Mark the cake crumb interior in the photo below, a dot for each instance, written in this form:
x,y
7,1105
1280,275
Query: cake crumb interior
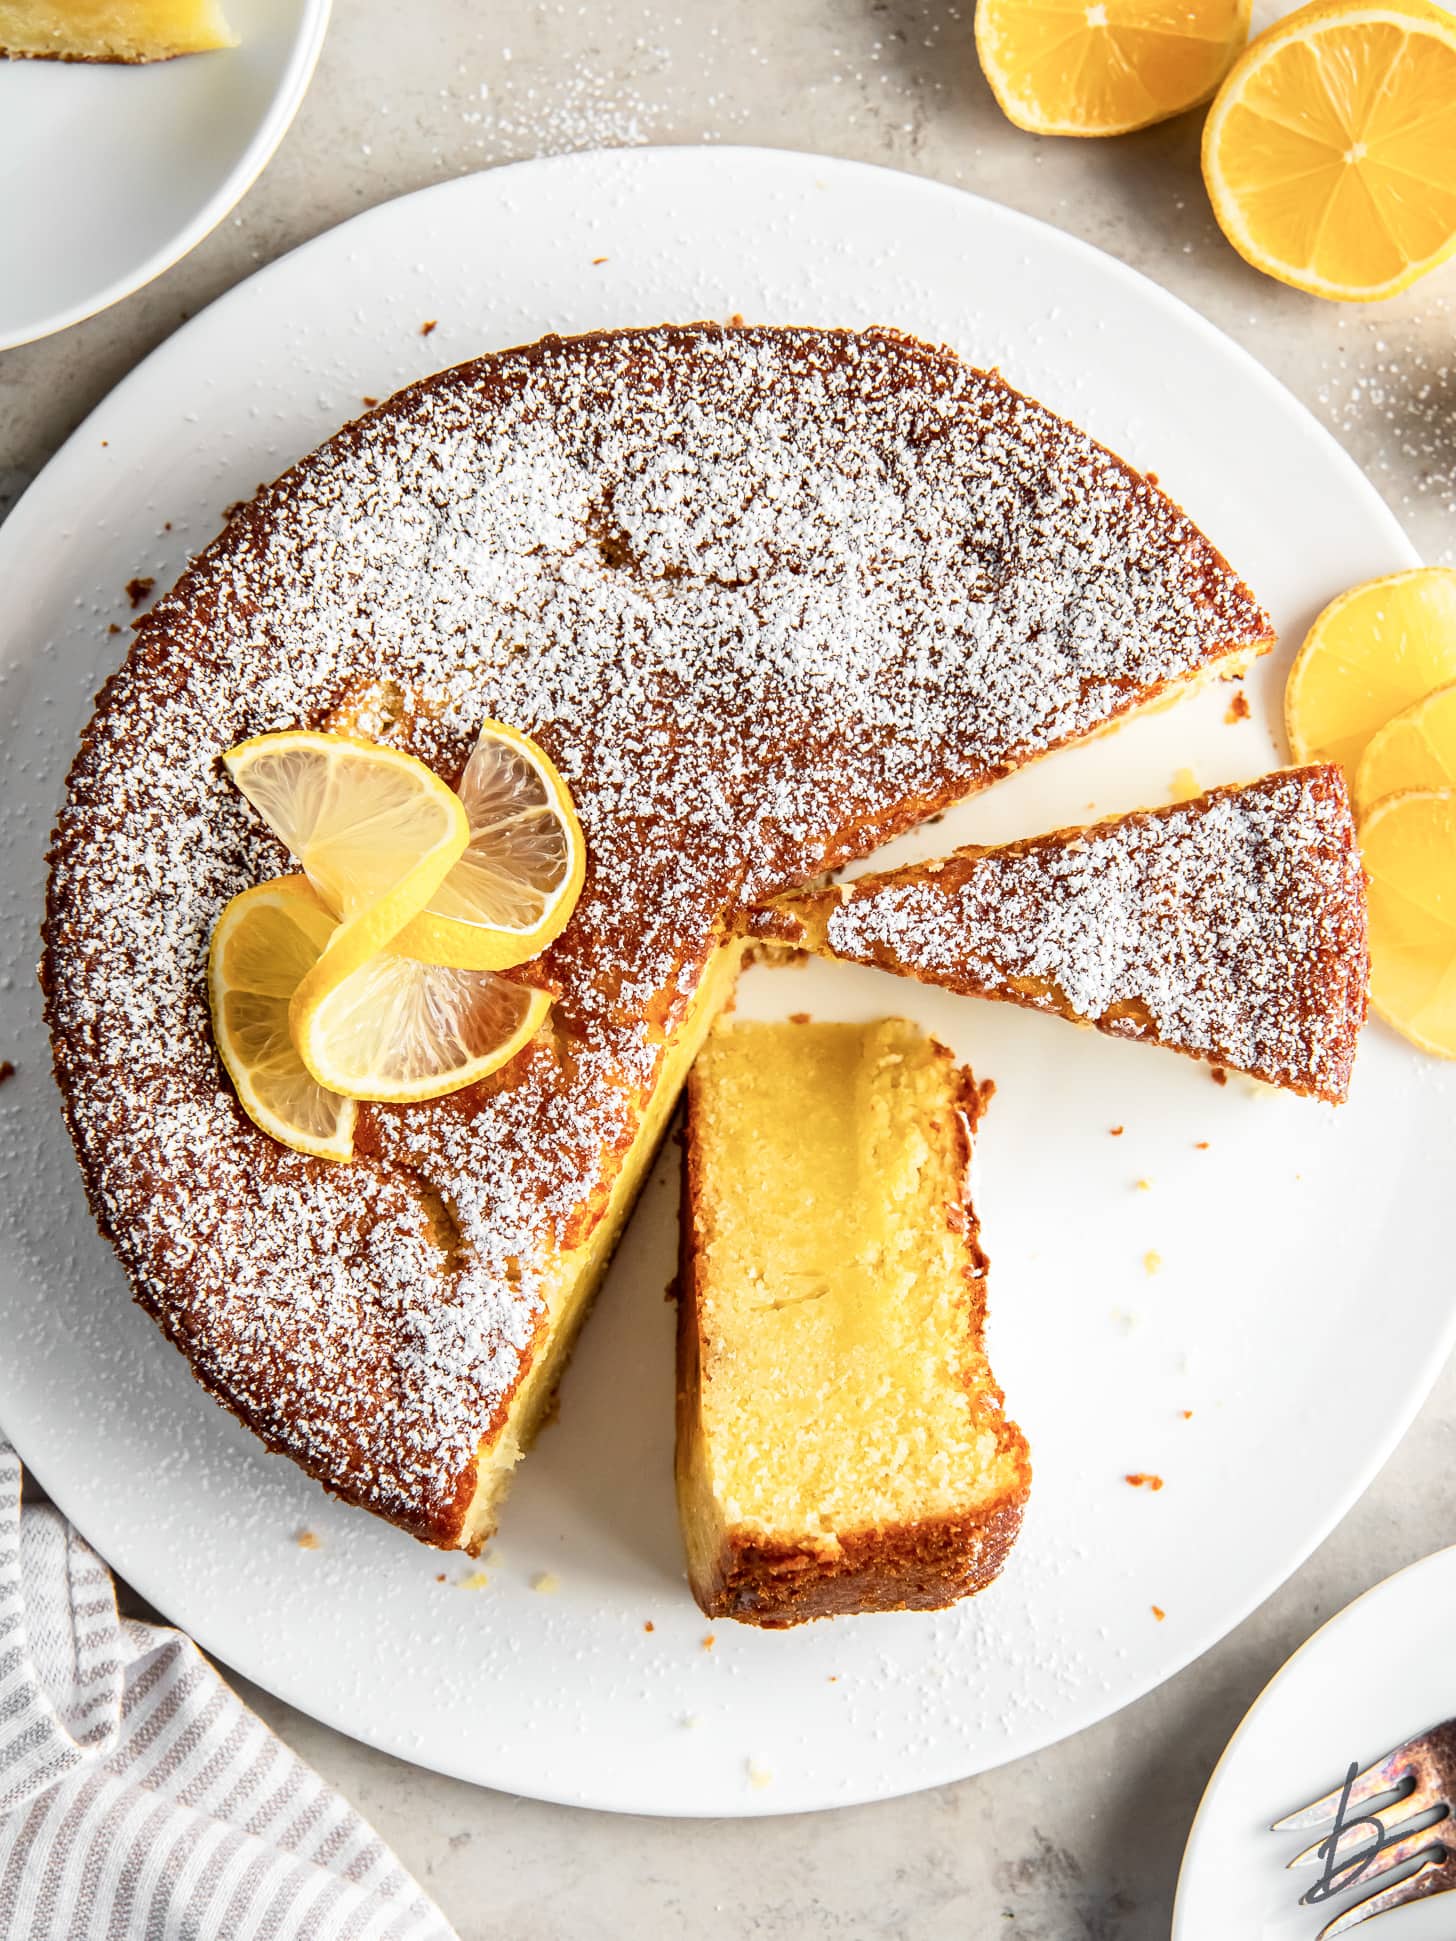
x,y
842,1382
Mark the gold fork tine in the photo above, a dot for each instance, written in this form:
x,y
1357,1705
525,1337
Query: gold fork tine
x,y
1356,1836
1410,1846
1435,1877
1362,1849
1385,1776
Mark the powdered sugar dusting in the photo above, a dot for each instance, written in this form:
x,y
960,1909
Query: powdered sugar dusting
x,y
763,596
1231,927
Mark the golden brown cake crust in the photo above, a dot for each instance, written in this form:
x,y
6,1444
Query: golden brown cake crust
x,y
766,597
921,1566
902,1567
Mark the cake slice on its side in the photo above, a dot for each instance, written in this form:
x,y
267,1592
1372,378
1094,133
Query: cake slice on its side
x,y
111,30
1231,927
841,1445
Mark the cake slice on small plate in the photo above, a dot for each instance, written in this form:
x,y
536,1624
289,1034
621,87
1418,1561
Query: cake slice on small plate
x,y
841,1444
1230,927
111,30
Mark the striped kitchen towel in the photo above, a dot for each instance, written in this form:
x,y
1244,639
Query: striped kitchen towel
x,y
140,1799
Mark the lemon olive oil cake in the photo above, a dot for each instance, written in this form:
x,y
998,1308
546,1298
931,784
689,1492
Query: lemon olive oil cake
x,y
111,30
765,597
1231,927
841,1444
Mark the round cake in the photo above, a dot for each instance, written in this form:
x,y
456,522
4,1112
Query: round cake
x,y
765,597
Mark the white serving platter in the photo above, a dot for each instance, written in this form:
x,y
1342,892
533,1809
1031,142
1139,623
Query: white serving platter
x,y
1302,1254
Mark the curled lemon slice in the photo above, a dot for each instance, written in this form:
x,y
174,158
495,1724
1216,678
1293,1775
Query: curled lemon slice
x,y
1408,843
1330,152
378,834
265,943
375,831
514,889
1417,750
1058,67
398,1031
1371,654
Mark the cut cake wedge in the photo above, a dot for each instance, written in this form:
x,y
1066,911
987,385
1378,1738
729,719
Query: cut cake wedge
x,y
1231,927
841,1445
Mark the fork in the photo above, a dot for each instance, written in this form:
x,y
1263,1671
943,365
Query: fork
x,y
1418,1777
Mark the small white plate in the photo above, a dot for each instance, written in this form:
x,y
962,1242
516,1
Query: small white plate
x,y
116,171
599,1692
1376,1675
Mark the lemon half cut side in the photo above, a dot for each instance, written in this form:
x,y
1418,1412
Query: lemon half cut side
x,y
1330,151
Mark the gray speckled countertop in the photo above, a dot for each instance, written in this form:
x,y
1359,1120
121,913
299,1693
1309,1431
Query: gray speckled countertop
x,y
1080,1843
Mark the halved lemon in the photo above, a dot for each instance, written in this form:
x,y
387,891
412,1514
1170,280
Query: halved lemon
x,y
1408,843
265,943
1330,152
375,830
1417,750
514,889
397,1031
1372,653
1105,68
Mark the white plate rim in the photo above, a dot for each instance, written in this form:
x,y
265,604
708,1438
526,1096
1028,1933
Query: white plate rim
x,y
1074,1719
286,100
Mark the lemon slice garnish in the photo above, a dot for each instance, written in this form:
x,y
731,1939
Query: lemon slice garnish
x,y
1408,843
265,943
1070,69
376,832
514,889
1330,152
1417,750
1371,654
398,1031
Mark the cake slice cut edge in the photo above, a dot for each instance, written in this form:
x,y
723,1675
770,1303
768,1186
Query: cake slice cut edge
x,y
1231,927
842,1445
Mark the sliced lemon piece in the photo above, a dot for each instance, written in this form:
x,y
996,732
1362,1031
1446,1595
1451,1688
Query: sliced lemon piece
x,y
264,944
513,891
1409,847
1371,654
397,1031
1065,69
1417,750
375,830
1330,152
